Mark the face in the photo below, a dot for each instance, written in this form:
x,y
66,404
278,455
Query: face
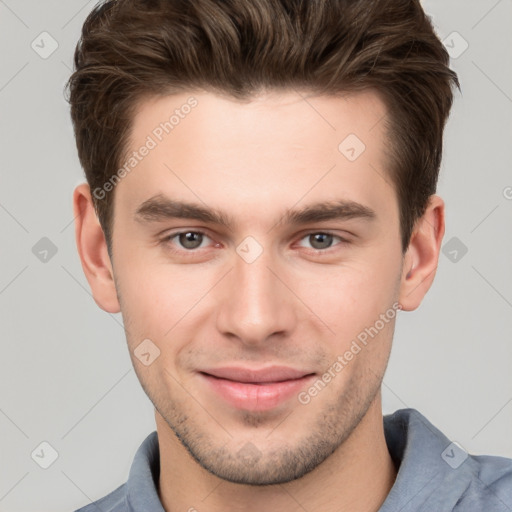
x,y
259,236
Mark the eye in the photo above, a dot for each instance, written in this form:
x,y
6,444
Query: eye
x,y
189,240
320,241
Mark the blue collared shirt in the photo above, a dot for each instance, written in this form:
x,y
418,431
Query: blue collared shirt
x,y
434,474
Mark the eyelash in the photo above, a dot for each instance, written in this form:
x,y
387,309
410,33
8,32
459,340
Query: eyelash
x,y
167,240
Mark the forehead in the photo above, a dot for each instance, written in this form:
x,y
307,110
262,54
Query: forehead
x,y
269,118
282,146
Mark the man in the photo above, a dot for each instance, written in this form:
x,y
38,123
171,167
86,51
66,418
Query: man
x,y
260,205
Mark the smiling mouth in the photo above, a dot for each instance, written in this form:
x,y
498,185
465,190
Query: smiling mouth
x,y
256,390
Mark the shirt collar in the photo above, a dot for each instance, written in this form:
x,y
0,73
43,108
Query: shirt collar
x,y
433,472
142,484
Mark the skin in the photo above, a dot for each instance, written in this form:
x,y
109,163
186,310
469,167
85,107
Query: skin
x,y
294,305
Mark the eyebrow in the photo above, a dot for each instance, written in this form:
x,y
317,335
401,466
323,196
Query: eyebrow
x,y
160,208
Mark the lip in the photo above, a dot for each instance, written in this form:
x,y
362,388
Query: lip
x,y
256,389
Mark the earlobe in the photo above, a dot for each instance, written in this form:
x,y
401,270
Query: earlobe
x,y
422,256
92,249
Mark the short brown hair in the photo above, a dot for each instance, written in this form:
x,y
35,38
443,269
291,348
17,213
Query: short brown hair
x,y
134,49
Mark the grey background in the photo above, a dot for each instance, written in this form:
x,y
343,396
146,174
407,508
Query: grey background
x,y
65,373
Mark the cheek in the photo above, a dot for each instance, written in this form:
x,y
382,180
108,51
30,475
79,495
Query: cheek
x,y
157,297
349,297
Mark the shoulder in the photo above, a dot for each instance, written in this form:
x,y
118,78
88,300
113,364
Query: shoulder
x,y
491,482
435,473
140,490
112,502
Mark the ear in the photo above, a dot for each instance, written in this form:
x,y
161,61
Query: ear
x,y
92,248
422,255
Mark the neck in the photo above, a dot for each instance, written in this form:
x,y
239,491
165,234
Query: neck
x,y
357,477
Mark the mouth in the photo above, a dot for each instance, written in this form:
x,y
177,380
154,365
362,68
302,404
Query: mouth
x,y
256,390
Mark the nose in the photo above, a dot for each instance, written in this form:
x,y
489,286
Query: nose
x,y
255,303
